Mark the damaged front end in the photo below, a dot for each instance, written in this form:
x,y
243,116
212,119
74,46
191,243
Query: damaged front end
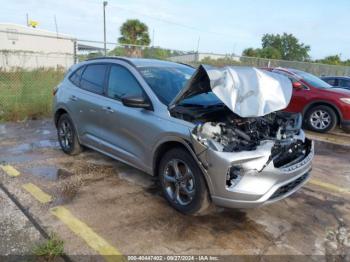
x,y
249,160
253,161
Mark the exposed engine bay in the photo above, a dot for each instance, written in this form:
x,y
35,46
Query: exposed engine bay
x,y
236,134
221,130
248,115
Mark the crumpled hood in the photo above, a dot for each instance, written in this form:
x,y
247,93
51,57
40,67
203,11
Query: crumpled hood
x,y
246,91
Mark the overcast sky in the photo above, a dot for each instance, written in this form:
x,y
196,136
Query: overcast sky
x,y
224,26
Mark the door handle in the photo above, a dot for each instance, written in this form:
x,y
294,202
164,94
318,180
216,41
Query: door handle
x,y
108,109
73,98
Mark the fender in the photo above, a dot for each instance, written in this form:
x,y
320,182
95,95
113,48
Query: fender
x,y
187,144
323,102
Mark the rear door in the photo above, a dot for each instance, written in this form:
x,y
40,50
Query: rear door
x,y
86,103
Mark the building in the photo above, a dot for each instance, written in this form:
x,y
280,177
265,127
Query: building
x,y
31,48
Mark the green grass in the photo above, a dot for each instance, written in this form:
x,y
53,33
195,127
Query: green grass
x,y
27,94
50,249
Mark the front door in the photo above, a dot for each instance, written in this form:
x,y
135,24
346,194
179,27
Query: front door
x,y
128,131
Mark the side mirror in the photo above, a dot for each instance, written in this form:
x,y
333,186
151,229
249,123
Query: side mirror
x,y
297,85
136,101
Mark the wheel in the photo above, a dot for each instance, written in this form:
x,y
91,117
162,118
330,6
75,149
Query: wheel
x,y
321,119
67,136
183,183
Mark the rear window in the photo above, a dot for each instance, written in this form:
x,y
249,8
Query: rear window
x,y
93,78
75,77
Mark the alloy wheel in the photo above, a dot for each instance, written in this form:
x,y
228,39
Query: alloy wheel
x,y
65,135
179,182
320,119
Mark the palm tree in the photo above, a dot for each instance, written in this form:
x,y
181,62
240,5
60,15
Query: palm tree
x,y
134,32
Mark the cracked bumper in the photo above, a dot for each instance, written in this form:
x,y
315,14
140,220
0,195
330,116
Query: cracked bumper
x,y
254,188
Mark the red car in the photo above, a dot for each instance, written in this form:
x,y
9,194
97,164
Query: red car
x,y
322,107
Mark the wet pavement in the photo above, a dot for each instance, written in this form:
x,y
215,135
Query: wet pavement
x,y
125,206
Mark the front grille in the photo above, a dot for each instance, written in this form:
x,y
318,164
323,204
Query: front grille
x,y
288,187
285,155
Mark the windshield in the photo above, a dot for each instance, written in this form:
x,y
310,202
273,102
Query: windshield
x,y
166,83
311,79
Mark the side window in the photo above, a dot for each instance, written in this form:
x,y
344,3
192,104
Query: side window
x,y
291,78
75,77
122,82
93,78
344,83
331,81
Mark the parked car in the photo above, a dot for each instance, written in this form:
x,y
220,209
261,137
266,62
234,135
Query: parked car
x,y
322,106
208,137
338,81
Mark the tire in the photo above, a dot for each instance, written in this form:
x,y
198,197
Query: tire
x,y
193,196
67,136
321,119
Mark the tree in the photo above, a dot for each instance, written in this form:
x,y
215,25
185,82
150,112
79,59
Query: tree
x,y
331,60
270,52
286,47
251,52
118,51
157,53
134,32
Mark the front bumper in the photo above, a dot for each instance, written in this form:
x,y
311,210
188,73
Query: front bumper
x,y
255,187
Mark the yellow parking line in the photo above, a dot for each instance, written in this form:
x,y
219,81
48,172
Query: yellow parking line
x,y
10,170
329,186
37,193
85,232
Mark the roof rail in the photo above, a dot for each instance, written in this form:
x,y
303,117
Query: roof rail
x,y
125,59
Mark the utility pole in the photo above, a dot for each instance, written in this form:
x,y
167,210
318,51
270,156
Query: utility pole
x,y
27,16
56,26
153,37
104,26
199,39
196,59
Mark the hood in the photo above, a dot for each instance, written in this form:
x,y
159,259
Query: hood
x,y
246,91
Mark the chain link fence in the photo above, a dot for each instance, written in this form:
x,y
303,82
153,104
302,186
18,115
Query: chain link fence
x,y
32,65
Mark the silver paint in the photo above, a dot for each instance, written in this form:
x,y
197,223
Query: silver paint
x,y
133,136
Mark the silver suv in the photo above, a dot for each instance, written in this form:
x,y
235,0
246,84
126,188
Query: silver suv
x,y
210,135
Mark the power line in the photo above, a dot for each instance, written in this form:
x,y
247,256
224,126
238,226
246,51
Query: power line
x,y
173,23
